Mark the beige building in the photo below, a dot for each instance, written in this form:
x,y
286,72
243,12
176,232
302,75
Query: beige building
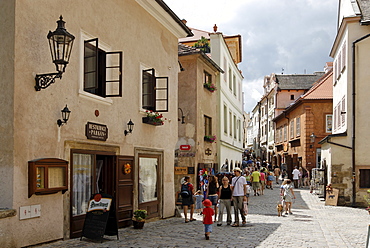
x,y
226,52
123,63
198,83
345,152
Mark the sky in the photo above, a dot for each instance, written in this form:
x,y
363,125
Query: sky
x,y
289,36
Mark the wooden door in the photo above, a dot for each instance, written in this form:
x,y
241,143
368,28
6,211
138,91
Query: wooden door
x,y
124,190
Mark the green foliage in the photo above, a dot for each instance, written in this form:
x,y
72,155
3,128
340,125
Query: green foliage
x,y
140,215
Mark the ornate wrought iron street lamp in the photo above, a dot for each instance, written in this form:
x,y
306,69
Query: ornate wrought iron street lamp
x,y
60,43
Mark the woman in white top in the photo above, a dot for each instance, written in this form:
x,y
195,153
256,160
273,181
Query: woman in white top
x,y
288,195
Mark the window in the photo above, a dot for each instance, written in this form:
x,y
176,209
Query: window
x,y
338,115
344,52
230,124
230,79
298,126
240,130
329,122
207,78
285,132
292,129
102,70
281,134
47,176
335,118
343,113
154,91
207,126
235,123
364,178
148,179
234,85
225,119
291,97
225,70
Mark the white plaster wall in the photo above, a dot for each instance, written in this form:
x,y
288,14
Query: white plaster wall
x,y
228,147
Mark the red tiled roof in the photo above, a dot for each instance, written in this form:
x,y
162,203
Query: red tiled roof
x,y
323,88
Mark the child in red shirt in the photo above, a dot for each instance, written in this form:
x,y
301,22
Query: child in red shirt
x,y
208,212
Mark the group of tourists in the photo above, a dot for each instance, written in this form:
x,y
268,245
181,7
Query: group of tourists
x,y
222,194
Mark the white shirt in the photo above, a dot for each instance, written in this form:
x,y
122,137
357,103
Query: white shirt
x,y
296,174
239,186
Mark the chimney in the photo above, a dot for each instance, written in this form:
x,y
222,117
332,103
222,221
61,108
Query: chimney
x,y
184,21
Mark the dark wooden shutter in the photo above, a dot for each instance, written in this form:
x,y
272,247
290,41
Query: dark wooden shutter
x,y
113,74
161,94
148,92
91,64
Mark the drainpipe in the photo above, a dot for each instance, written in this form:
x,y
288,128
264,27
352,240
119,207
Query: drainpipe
x,y
354,118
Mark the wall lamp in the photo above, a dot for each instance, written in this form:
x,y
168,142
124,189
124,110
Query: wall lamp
x,y
182,117
65,116
60,43
130,126
312,139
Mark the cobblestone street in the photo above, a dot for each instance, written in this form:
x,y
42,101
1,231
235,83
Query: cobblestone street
x,y
312,225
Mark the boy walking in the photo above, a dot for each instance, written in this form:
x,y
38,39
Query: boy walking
x,y
208,212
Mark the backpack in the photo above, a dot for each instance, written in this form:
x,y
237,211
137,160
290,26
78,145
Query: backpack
x,y
185,192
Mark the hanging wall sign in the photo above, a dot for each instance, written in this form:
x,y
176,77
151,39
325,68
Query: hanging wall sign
x,y
96,131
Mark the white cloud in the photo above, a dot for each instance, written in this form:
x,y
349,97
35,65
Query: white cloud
x,y
296,35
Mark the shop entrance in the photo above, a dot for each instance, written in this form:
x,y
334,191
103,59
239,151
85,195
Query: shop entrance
x,y
100,172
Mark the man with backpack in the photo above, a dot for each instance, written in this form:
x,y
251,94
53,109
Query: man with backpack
x,y
187,192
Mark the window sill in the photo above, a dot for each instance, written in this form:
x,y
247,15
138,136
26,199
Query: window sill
x,y
95,98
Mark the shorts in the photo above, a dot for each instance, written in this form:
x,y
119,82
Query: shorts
x,y
187,201
207,228
255,185
213,199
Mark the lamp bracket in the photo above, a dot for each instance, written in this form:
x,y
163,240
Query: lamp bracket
x,y
44,80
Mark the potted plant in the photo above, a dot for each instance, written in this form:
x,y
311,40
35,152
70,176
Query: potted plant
x,y
210,86
153,118
139,218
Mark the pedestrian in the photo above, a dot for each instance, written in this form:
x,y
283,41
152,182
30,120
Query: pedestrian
x,y
198,201
212,192
239,191
187,201
306,178
248,177
295,174
277,173
256,182
288,195
270,179
262,180
207,217
225,201
284,174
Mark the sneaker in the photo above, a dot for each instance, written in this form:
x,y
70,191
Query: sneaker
x,y
207,237
219,224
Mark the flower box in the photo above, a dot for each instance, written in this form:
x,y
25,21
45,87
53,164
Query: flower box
x,y
209,138
151,121
209,86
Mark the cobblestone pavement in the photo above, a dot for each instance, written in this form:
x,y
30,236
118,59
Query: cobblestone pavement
x,y
312,225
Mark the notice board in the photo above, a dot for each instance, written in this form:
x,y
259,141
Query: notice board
x,y
100,218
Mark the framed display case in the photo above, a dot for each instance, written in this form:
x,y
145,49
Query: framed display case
x,y
47,176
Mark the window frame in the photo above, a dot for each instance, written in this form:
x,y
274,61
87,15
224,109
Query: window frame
x,y
101,70
207,126
153,89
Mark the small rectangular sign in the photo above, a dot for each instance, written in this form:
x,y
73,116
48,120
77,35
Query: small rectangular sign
x,y
103,204
185,147
181,170
96,131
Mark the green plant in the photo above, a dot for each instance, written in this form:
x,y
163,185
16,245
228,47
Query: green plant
x,y
367,199
203,45
140,215
210,86
210,138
